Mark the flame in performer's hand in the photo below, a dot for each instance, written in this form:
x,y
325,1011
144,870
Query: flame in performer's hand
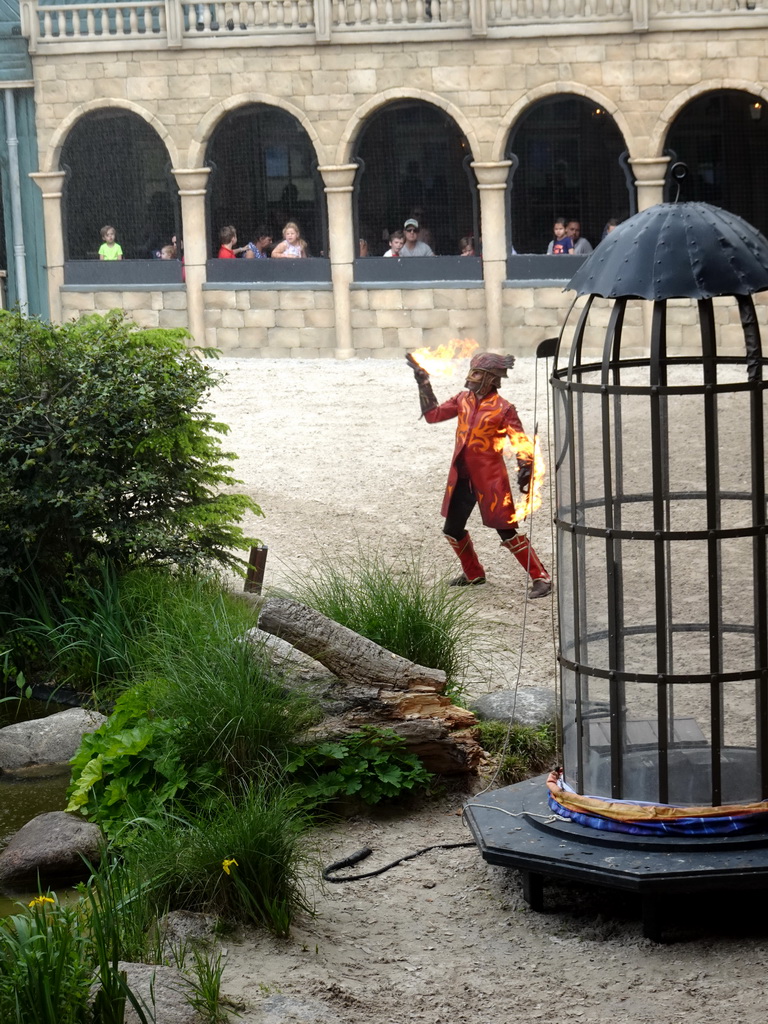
x,y
526,448
441,359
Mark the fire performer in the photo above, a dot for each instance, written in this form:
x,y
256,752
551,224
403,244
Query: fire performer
x,y
478,474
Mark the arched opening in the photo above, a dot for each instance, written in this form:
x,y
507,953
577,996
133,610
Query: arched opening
x,y
723,139
414,163
264,172
568,160
118,174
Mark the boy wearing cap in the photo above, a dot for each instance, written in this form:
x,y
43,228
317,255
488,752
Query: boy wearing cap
x,y
413,247
478,473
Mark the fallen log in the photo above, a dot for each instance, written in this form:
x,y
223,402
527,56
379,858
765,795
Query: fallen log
x,y
380,688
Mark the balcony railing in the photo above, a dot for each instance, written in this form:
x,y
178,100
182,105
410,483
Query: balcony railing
x,y
51,26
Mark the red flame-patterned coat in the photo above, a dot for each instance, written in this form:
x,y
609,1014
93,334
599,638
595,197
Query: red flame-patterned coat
x,y
481,432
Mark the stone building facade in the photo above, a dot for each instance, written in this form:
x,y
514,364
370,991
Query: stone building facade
x,y
485,64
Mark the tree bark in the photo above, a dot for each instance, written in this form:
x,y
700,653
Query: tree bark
x,y
380,688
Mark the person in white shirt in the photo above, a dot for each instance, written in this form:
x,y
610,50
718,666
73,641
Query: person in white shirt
x,y
413,247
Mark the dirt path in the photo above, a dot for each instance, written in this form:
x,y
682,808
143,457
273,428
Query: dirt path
x,y
337,457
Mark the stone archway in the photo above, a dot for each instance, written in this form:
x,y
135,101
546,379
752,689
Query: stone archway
x,y
722,137
565,151
118,173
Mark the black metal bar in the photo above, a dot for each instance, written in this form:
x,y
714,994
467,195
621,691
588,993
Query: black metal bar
x,y
658,380
755,362
714,575
613,595
577,441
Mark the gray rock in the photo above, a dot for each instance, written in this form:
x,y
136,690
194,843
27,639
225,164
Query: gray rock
x,y
530,705
181,930
53,845
51,740
163,991
281,1009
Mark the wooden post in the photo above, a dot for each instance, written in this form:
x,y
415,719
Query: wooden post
x,y
254,578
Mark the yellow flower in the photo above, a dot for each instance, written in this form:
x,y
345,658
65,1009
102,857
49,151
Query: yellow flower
x,y
40,901
225,865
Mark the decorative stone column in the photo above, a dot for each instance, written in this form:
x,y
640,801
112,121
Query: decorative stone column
x,y
192,188
339,184
51,184
492,185
649,174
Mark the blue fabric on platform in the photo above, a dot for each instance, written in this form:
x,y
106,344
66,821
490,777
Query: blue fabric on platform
x,y
725,825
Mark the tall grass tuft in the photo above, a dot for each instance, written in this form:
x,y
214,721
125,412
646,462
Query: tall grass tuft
x,y
402,608
519,751
242,860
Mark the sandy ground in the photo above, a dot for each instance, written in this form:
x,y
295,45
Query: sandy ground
x,y
335,454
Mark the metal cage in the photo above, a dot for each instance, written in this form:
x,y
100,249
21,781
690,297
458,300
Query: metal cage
x,y
659,416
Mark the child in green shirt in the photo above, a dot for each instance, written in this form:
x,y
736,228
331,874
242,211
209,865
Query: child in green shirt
x,y
109,249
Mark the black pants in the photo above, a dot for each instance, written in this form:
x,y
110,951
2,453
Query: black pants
x,y
462,502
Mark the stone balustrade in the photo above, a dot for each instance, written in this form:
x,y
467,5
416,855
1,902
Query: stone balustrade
x,y
54,27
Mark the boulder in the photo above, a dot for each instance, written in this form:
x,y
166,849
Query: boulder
x,y
51,740
529,705
163,993
180,930
52,845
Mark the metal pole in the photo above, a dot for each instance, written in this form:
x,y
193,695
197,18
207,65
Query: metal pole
x,y
17,229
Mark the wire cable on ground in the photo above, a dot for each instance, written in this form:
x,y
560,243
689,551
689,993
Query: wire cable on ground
x,y
366,851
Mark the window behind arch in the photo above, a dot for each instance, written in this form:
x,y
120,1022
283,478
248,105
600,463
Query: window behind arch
x,y
414,163
264,172
723,138
566,154
118,174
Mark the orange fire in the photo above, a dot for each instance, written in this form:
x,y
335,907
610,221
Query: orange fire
x,y
522,445
440,360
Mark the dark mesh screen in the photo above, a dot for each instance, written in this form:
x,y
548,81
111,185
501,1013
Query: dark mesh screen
x,y
264,172
413,165
723,138
119,174
568,154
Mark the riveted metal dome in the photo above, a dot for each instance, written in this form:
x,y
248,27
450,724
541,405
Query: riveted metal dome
x,y
677,250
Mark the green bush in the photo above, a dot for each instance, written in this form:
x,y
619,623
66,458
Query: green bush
x,y
371,765
401,607
519,751
105,450
131,767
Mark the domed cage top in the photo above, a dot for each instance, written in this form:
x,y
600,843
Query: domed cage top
x,y
661,514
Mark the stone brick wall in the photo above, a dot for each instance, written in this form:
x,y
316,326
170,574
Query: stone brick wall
x,y
146,307
641,79
273,323
387,322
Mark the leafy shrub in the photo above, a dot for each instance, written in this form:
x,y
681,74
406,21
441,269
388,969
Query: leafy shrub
x,y
401,607
371,765
131,767
104,450
520,751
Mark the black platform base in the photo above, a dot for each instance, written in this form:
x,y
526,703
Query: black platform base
x,y
514,827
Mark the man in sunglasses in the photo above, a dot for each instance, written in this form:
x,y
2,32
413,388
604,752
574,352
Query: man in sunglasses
x,y
413,247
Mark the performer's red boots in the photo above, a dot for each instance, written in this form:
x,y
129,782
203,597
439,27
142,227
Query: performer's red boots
x,y
523,551
474,573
